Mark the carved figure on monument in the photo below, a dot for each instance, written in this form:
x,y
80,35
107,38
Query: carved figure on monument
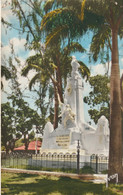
x,y
67,115
75,65
66,112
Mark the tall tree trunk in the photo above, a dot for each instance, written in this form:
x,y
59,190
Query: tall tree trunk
x,y
121,88
115,150
55,84
26,141
59,79
55,124
7,146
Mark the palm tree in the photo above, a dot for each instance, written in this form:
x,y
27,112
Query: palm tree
x,y
30,24
112,11
109,24
64,20
54,66
42,76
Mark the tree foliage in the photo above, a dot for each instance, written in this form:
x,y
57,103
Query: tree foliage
x,y
98,98
53,67
7,128
5,73
17,117
65,21
54,63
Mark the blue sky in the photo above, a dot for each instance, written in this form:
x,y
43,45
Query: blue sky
x,y
12,36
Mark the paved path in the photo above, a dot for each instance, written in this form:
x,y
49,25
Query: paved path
x,y
96,178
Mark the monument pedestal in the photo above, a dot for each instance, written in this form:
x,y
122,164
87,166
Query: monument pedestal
x,y
62,140
65,138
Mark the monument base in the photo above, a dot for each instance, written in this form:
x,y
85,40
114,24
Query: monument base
x,y
56,152
62,140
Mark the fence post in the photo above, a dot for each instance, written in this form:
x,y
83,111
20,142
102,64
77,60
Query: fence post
x,y
78,153
96,163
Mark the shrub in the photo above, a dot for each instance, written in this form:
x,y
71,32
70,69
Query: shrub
x,y
87,169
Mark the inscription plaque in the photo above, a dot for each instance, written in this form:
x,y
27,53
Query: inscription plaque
x,y
63,141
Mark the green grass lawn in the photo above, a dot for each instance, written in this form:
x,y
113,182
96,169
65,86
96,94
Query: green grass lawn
x,y
23,184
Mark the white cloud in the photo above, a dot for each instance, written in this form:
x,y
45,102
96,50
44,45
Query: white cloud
x,y
6,50
18,45
24,81
101,69
97,69
7,15
6,12
19,49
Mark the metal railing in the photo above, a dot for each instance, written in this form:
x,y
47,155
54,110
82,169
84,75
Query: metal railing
x,y
63,162
99,163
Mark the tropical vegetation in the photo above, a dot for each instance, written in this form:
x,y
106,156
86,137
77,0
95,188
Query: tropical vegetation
x,y
61,23
98,98
106,28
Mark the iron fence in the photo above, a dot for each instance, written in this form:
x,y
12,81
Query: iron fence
x,y
99,163
63,162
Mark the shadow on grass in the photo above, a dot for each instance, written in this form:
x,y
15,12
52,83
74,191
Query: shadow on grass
x,y
19,176
43,185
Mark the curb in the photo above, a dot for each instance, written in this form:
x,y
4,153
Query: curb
x,y
96,178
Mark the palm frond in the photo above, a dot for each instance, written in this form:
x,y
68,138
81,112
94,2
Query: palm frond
x,y
82,9
33,62
5,72
53,65
26,70
56,32
84,70
39,77
49,16
74,47
33,80
37,59
37,67
99,40
62,23
48,5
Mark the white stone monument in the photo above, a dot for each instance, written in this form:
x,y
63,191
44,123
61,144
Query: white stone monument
x,y
73,127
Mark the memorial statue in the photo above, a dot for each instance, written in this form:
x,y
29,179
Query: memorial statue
x,y
66,112
75,65
73,126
